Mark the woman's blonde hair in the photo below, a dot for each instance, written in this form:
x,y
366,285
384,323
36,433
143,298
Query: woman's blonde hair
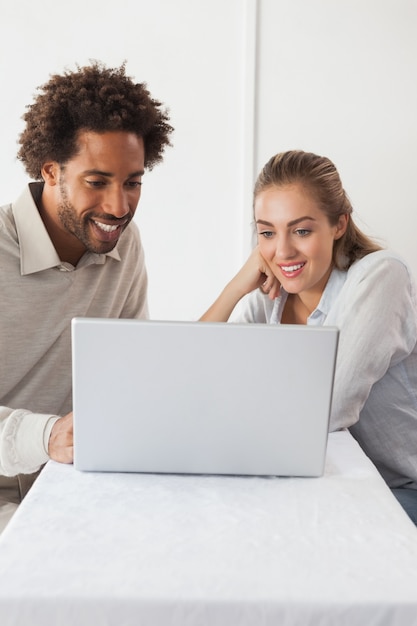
x,y
319,176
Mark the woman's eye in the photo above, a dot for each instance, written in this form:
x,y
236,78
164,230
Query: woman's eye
x,y
266,233
302,232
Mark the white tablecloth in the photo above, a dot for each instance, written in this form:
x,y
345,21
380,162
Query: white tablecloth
x,y
87,549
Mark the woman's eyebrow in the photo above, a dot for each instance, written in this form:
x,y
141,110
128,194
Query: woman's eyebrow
x,y
301,219
264,222
291,223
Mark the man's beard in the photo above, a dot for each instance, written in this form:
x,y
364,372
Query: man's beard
x,y
80,227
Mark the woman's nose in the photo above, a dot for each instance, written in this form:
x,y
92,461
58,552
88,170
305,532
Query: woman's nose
x,y
284,249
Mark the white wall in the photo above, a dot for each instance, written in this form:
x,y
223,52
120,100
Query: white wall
x,y
333,76
191,54
338,77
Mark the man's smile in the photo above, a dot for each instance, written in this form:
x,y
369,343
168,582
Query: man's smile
x,y
108,232
106,227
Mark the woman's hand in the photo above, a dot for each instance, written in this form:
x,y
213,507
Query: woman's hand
x,y
254,274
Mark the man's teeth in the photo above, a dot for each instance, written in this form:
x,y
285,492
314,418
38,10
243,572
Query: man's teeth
x,y
106,227
292,268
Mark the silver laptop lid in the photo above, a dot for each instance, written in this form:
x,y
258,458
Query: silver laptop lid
x,y
194,397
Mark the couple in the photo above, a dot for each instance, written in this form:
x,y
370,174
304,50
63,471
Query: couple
x,y
69,247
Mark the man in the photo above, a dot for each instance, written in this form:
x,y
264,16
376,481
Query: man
x,y
68,247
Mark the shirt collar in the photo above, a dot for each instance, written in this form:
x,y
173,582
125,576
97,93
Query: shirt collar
x,y
336,281
37,252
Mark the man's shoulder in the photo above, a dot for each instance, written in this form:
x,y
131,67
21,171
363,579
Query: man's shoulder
x,y
7,221
6,212
22,204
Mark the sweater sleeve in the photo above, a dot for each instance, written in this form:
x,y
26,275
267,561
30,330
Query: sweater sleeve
x,y
377,319
24,440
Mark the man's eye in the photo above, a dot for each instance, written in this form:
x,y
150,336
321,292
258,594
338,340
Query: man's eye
x,y
133,184
95,183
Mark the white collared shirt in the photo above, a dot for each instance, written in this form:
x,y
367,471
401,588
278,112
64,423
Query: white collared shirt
x,y
374,305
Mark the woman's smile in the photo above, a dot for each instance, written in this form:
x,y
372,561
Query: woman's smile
x,y
293,270
295,238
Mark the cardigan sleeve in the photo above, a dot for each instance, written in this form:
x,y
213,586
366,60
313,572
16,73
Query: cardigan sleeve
x,y
24,440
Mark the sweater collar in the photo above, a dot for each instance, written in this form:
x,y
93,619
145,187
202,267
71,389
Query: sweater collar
x,y
37,252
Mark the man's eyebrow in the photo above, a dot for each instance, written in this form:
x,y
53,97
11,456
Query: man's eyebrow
x,y
110,174
138,173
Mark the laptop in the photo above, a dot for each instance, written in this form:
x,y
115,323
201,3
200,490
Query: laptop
x,y
201,397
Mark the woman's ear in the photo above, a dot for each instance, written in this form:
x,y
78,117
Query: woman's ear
x,y
50,173
341,226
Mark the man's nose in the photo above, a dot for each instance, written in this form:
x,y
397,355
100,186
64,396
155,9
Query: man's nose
x,y
116,202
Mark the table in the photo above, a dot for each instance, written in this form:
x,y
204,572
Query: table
x,y
86,549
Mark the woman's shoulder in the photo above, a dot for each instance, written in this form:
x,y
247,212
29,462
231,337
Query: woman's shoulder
x,y
379,261
382,272
380,283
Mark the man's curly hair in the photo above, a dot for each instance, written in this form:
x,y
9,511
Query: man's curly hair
x,y
92,98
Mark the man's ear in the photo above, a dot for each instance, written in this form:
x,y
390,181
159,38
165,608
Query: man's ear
x,y
341,226
50,173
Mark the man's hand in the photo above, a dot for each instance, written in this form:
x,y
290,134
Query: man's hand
x,y
61,442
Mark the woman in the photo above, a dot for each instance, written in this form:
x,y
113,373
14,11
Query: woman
x,y
312,265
